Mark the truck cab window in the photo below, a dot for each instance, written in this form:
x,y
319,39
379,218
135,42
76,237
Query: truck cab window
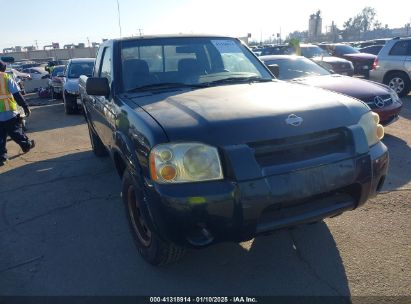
x,y
105,71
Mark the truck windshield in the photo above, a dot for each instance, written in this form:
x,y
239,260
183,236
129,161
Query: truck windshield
x,y
80,68
196,61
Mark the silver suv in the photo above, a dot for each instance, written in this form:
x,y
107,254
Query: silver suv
x,y
393,65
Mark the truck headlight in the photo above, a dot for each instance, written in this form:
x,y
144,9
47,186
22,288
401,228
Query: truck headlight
x,y
394,96
370,123
184,163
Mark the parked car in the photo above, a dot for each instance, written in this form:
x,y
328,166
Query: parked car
x,y
317,54
54,63
380,98
393,66
56,81
362,61
19,77
338,65
36,72
372,49
22,65
276,50
75,68
211,148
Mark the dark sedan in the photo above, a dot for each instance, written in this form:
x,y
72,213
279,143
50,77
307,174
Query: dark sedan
x,y
372,49
380,98
362,61
338,65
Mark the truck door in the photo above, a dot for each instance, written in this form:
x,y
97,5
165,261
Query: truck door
x,y
91,101
105,107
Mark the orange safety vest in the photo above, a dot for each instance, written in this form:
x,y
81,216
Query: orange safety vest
x,y
7,102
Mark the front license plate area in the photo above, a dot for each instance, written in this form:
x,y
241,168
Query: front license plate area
x,y
312,181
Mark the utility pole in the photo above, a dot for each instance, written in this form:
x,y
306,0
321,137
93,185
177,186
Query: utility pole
x,y
261,37
119,17
280,35
140,31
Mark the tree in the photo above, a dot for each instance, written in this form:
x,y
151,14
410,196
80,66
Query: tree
x,y
356,27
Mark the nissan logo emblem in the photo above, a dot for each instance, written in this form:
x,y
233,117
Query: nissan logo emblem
x,y
294,120
379,102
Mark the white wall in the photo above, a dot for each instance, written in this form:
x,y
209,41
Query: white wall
x,y
57,54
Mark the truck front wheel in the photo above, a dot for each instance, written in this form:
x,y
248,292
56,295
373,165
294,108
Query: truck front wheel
x,y
152,248
96,144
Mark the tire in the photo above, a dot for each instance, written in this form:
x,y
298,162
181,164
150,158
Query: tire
x,y
399,82
151,247
70,107
97,145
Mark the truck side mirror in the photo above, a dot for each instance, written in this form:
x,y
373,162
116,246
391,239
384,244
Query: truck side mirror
x,y
97,86
275,69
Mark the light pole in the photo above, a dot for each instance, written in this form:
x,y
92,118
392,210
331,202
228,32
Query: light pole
x,y
119,17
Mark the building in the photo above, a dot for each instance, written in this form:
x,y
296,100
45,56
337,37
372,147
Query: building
x,y
315,24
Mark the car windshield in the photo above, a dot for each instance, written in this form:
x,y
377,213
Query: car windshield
x,y
313,51
80,68
297,68
277,50
188,61
57,70
345,49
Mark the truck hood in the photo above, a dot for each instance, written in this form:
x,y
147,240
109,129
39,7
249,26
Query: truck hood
x,y
71,85
354,87
242,113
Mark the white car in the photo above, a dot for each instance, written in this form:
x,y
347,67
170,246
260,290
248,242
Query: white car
x,y
36,72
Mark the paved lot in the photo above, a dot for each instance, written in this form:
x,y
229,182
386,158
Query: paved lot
x,y
63,231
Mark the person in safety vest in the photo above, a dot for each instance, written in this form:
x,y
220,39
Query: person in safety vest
x,y
10,125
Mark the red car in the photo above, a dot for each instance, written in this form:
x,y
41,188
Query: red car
x,y
362,61
379,97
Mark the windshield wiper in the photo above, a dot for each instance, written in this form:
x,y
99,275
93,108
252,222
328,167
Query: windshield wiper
x,y
239,80
165,85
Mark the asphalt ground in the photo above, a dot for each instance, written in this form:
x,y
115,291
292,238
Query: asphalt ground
x,y
63,231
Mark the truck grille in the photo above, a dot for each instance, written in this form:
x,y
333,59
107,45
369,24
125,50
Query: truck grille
x,y
300,148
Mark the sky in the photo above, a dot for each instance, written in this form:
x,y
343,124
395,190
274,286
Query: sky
x,y
73,21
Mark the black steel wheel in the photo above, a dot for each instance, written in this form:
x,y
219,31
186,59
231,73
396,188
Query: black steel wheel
x,y
151,246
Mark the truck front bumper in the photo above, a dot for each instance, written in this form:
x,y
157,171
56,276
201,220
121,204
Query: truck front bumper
x,y
199,214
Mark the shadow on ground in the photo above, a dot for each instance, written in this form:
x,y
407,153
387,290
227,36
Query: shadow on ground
x,y
51,113
397,176
406,107
63,231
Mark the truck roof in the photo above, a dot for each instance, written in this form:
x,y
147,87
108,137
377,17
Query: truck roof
x,y
169,36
